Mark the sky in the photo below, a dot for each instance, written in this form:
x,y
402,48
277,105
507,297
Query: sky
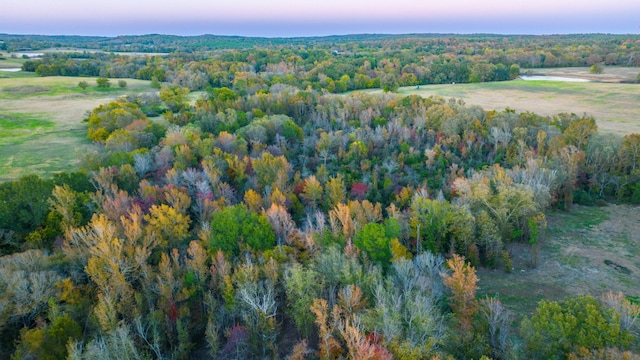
x,y
290,18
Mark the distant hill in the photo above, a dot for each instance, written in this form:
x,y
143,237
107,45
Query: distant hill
x,y
153,43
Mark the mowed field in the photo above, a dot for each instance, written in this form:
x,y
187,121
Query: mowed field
x,y
41,127
615,106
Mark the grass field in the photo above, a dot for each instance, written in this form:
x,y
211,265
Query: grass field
x,y
589,250
615,106
41,128
614,74
6,61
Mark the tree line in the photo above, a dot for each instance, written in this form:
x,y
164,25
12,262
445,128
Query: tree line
x,y
341,64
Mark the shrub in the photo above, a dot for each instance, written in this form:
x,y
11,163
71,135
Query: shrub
x,y
557,329
103,83
506,260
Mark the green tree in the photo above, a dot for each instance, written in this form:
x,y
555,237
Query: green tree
x,y
103,82
429,223
596,69
83,85
237,227
23,203
174,97
302,287
49,343
514,71
292,132
122,84
223,94
559,328
155,83
481,72
107,118
373,240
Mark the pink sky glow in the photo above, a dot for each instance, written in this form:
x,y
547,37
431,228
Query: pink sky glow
x,y
318,17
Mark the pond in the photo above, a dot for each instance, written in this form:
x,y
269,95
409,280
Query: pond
x,y
552,78
11,69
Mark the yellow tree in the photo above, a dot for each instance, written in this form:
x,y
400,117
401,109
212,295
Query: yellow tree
x,y
168,223
253,200
334,192
340,218
271,171
179,199
629,153
463,284
312,192
580,131
114,256
62,201
364,212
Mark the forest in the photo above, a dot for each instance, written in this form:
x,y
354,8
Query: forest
x,y
280,214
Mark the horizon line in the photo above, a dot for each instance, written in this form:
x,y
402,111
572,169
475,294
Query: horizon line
x,y
323,36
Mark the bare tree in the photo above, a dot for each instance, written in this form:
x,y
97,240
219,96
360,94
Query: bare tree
x,y
499,320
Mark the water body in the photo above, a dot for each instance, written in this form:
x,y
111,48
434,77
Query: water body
x,y
11,69
552,78
30,55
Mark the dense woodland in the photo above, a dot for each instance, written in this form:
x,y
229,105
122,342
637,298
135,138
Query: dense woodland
x,y
271,218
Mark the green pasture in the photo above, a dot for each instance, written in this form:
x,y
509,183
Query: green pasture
x,y
41,127
6,61
19,86
32,143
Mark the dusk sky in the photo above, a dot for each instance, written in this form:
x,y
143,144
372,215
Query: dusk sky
x,y
287,18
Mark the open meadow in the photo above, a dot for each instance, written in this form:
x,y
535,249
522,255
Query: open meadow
x,y
615,106
41,128
611,74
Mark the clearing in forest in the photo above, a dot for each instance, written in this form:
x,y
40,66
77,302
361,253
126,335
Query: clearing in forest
x,y
590,250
